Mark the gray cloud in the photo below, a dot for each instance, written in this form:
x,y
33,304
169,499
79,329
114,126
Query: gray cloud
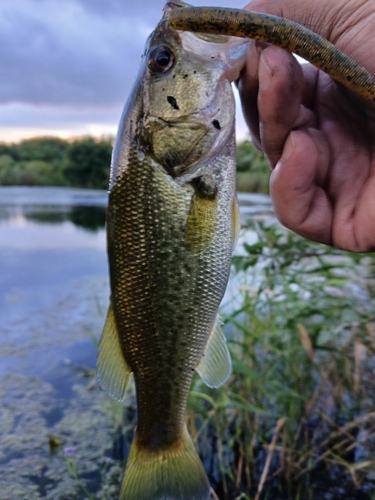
x,y
150,9
72,56
72,52
60,53
25,116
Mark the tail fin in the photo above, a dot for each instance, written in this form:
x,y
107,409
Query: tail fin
x,y
171,474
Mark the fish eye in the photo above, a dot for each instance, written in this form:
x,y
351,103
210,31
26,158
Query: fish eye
x,y
161,59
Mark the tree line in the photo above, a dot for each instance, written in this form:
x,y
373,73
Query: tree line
x,y
85,162
51,161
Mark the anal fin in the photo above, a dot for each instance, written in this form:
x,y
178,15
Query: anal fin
x,y
215,365
112,370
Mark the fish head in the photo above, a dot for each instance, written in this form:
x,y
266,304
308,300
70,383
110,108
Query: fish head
x,y
188,106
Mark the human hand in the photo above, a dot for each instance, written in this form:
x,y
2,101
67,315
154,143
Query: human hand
x,y
318,137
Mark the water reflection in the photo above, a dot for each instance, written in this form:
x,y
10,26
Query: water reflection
x,y
53,274
84,208
91,218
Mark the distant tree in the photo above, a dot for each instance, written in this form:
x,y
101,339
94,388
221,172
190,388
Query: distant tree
x,y
7,167
88,163
41,173
28,173
6,149
49,149
51,161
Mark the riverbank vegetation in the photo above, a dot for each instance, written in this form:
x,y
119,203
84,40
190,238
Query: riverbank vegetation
x,y
85,163
296,420
50,161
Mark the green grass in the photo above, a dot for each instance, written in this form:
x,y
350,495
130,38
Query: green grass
x,y
297,415
252,172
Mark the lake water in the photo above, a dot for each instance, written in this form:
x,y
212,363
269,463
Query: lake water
x,y
52,269
53,299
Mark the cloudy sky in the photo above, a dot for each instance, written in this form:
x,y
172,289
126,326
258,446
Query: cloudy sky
x,y
67,66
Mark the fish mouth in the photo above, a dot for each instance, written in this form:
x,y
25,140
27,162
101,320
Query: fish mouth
x,y
236,47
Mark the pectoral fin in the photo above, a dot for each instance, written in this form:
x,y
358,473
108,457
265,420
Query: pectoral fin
x,y
112,370
201,224
236,223
215,366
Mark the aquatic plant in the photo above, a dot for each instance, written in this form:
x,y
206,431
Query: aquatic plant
x,y
70,455
296,418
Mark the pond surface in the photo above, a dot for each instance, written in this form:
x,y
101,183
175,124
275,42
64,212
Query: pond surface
x,y
53,299
53,274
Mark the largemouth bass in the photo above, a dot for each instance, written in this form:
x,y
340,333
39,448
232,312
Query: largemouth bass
x,y
172,222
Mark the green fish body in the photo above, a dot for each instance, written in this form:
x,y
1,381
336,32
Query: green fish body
x,y
172,222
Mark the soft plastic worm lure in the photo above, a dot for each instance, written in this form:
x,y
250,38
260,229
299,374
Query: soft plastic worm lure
x,y
281,32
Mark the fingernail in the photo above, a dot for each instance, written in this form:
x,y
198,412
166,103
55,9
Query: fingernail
x,y
265,73
290,146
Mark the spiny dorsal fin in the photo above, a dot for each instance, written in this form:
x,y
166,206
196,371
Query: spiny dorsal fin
x,y
112,370
215,365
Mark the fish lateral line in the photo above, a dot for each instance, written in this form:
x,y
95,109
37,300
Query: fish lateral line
x,y
281,32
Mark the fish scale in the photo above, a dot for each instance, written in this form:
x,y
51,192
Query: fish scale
x,y
172,221
162,214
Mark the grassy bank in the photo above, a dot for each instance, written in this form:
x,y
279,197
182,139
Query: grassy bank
x,y
297,419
